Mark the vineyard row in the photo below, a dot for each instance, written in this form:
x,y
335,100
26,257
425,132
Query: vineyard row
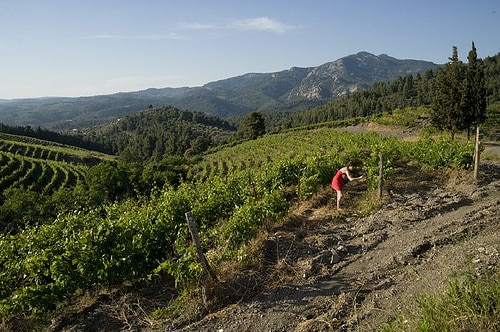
x,y
43,176
46,153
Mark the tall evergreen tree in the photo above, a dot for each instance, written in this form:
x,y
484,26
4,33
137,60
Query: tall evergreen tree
x,y
474,97
448,108
253,125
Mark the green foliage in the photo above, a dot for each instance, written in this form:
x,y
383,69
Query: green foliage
x,y
218,200
391,150
36,174
493,121
474,97
109,181
47,150
186,269
249,218
224,98
460,99
470,303
290,171
407,117
76,229
316,171
492,73
82,250
152,134
442,152
40,178
448,109
46,137
134,238
381,97
21,208
413,90
171,170
253,126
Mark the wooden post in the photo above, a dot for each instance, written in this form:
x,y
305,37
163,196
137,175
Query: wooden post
x,y
380,175
201,257
476,155
298,183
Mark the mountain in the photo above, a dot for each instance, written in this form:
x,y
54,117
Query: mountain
x,y
288,89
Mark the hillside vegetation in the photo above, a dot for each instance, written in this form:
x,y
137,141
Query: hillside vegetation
x,y
405,91
147,238
104,223
39,179
151,134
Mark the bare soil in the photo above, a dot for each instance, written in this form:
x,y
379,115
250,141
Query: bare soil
x,y
323,270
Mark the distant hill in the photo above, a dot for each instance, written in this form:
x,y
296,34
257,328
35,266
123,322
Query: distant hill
x,y
288,89
151,134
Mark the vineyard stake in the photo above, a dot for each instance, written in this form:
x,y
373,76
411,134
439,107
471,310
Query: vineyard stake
x,y
380,175
201,257
476,155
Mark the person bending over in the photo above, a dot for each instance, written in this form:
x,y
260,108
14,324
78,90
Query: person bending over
x,y
339,180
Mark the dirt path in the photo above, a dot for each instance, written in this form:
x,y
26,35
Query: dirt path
x,y
346,273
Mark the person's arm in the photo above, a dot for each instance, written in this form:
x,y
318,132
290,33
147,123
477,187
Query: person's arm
x,y
351,178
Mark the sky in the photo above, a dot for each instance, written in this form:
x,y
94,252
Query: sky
x,y
94,47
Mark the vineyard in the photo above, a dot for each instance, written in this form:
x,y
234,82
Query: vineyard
x,y
234,193
41,166
328,149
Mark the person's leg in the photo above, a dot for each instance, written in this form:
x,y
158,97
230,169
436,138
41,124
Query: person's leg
x,y
339,197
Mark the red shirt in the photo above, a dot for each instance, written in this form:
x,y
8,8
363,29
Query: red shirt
x,y
338,180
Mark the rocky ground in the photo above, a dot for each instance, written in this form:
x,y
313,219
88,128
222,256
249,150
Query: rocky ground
x,y
323,270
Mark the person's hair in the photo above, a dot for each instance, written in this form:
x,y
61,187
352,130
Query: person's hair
x,y
350,163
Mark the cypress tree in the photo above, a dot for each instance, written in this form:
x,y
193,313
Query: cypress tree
x,y
475,91
253,125
448,109
441,118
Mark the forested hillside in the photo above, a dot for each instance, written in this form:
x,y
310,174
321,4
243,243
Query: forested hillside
x,y
152,134
157,132
53,137
405,91
492,75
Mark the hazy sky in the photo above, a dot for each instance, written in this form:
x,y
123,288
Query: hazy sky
x,y
90,47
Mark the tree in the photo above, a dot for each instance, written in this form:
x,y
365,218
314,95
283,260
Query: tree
x,y
460,99
108,181
199,145
474,97
170,170
253,125
409,91
448,108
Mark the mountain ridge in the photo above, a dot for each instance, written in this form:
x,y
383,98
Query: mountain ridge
x,y
291,89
